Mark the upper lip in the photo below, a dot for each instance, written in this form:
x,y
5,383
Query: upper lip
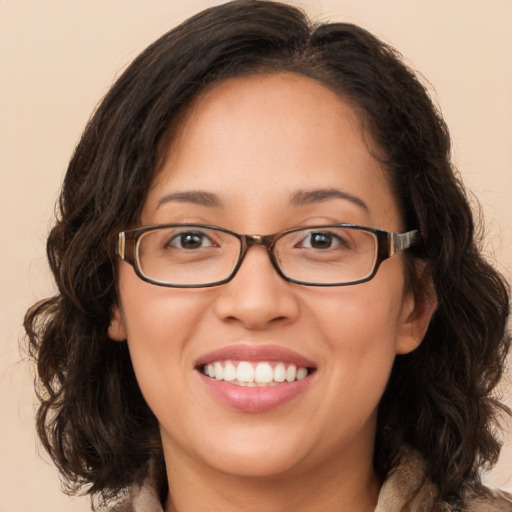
x,y
255,353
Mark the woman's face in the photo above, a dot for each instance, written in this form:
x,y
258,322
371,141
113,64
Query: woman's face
x,y
250,146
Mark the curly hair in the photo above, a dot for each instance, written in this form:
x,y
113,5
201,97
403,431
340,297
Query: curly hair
x,y
93,419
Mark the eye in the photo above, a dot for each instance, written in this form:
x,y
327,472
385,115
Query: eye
x,y
321,240
190,240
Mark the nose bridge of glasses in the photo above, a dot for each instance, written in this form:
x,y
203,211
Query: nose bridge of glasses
x,y
249,241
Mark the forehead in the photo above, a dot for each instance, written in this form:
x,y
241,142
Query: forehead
x,y
263,105
261,138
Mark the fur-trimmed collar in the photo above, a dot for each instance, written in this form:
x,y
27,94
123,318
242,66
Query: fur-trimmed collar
x,y
406,489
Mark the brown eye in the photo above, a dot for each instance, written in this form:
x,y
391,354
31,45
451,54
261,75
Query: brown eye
x,y
189,240
321,240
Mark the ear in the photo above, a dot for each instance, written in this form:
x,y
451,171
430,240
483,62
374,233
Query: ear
x,y
420,303
116,329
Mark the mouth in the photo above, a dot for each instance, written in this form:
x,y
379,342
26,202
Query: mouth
x,y
255,374
255,378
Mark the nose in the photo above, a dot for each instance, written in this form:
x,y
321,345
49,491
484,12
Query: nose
x,y
257,296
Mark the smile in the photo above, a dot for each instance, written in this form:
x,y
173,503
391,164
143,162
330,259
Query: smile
x,y
252,374
255,378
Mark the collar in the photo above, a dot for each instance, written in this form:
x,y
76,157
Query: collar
x,y
407,489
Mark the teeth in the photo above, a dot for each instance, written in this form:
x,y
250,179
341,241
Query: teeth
x,y
264,373
249,374
302,373
245,372
229,372
291,373
218,371
280,372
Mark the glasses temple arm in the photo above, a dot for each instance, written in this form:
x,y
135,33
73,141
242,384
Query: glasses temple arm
x,y
121,245
401,241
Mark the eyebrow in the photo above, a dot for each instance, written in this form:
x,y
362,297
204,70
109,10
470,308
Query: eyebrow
x,y
299,198
305,197
194,196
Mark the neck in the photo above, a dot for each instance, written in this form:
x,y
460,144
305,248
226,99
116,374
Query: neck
x,y
328,487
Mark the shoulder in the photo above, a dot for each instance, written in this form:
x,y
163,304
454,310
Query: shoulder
x,y
140,498
408,489
488,500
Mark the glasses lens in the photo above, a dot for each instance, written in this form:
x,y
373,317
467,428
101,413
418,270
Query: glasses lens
x,y
187,255
327,255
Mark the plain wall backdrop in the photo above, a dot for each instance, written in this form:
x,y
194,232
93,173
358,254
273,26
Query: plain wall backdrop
x,y
58,58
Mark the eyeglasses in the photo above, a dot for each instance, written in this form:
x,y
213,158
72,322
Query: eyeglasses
x,y
196,255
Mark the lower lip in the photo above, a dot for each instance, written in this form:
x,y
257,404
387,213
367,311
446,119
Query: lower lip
x,y
256,399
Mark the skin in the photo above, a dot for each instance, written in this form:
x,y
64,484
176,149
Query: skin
x,y
254,142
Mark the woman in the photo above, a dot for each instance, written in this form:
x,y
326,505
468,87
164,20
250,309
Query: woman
x,y
270,292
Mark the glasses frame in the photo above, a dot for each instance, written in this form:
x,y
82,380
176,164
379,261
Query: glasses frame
x,y
388,244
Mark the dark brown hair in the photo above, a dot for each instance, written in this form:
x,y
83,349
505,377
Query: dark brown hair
x,y
93,420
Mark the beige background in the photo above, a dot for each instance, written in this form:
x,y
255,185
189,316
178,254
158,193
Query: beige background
x,y
58,57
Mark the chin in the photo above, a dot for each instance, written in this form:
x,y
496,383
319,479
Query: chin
x,y
258,465
247,451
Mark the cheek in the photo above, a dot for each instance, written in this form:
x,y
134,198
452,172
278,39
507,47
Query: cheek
x,y
158,323
358,318
359,329
156,315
